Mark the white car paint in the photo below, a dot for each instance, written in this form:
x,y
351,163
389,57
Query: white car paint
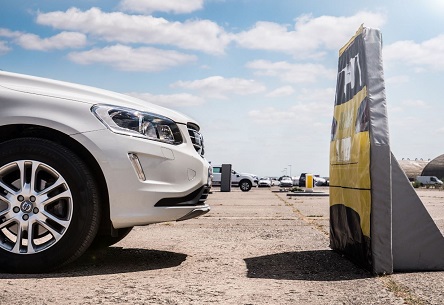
x,y
66,107
177,176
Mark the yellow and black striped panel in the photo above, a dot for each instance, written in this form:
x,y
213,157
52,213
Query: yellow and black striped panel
x,y
350,183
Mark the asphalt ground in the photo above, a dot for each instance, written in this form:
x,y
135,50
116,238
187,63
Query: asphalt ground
x,y
257,247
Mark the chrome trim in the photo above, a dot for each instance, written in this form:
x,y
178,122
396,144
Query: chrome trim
x,y
196,139
137,166
195,213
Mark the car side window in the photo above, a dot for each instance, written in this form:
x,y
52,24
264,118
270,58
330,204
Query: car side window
x,y
217,170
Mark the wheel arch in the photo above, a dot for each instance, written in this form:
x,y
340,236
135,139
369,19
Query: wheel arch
x,y
9,132
246,179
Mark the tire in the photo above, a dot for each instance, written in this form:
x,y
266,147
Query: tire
x,y
245,185
104,241
49,206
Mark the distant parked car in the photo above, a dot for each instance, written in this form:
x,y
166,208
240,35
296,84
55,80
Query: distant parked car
x,y
255,178
320,181
244,181
428,180
302,178
274,181
286,182
317,180
265,182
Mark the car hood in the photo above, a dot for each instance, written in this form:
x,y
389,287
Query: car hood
x,y
84,94
247,174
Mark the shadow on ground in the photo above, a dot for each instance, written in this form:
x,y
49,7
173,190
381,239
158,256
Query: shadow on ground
x,y
321,265
112,260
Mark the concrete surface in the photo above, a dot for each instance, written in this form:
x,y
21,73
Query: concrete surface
x,y
256,247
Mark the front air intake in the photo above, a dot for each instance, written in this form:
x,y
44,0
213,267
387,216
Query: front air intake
x,y
196,138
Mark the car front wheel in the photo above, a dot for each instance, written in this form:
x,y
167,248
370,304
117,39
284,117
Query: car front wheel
x,y
49,206
245,185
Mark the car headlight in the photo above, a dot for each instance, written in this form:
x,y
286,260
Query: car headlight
x,y
140,124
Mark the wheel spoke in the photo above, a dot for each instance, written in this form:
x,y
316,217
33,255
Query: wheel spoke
x,y
8,189
21,166
53,232
47,200
21,228
19,245
18,241
34,168
7,223
4,212
30,248
59,182
63,223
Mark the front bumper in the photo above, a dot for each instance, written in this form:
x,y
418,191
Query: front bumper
x,y
196,198
175,184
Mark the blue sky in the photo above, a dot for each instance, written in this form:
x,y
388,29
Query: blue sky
x,y
259,76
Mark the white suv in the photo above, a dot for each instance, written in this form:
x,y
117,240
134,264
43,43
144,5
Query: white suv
x,y
81,166
244,181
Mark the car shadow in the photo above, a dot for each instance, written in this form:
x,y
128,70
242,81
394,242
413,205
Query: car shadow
x,y
318,265
112,260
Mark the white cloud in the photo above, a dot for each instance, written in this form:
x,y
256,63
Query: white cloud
x,y
314,107
398,79
4,47
394,109
8,33
423,56
170,6
219,87
132,59
281,92
292,73
171,100
202,35
324,96
309,34
415,103
271,114
406,123
310,114
63,40
313,111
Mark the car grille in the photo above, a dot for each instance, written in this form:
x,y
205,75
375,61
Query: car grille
x,y
204,195
196,198
196,138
